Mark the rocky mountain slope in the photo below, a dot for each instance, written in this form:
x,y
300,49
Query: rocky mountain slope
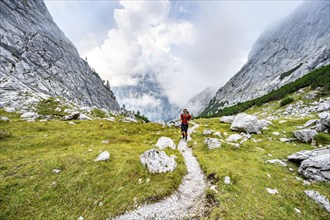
x,y
39,61
283,53
147,97
199,102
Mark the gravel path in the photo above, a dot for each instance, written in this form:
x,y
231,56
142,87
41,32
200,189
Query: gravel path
x,y
187,202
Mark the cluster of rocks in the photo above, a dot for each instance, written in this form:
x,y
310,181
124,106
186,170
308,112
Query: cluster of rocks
x,y
312,127
314,164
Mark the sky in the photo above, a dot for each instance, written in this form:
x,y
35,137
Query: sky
x,y
187,45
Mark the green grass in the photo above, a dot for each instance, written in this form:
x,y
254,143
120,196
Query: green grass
x,y
33,150
247,197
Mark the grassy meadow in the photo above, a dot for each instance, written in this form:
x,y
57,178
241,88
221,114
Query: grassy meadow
x,y
246,197
29,151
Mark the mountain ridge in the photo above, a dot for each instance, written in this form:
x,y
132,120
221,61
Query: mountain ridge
x,y
300,40
38,61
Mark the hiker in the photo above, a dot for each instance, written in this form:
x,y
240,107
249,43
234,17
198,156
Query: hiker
x,y
185,117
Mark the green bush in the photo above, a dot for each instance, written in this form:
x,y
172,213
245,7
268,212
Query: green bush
x,y
50,107
286,101
98,113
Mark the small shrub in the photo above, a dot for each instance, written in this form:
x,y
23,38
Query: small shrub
x,y
98,113
49,107
4,135
286,101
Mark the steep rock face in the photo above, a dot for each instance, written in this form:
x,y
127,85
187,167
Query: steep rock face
x,y
37,60
282,54
147,97
199,102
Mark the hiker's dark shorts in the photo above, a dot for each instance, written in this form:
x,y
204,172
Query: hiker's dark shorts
x,y
184,127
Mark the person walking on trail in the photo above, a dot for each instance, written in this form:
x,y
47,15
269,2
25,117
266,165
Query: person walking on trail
x,y
185,117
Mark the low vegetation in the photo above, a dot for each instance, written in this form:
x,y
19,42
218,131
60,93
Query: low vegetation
x,y
317,78
286,101
246,197
29,189
51,107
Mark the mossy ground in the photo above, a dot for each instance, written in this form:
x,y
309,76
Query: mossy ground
x,y
247,197
29,189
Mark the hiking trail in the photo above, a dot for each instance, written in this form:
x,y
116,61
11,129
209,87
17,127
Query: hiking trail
x,y
186,202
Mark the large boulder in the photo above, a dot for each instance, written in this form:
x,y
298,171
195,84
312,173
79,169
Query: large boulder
x,y
227,119
157,161
306,154
316,168
72,116
319,199
29,115
325,118
305,135
246,123
325,106
165,142
4,118
212,143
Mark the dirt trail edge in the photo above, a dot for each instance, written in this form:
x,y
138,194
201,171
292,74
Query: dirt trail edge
x,y
187,202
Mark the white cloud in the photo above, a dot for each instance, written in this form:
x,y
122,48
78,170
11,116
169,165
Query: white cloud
x,y
142,43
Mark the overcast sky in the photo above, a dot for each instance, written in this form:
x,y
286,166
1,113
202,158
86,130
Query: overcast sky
x,y
189,45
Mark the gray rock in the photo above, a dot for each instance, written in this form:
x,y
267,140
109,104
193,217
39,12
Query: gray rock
x,y
305,135
103,156
157,161
212,143
28,115
234,138
311,122
84,117
323,107
227,180
306,154
73,116
10,110
4,118
207,132
165,142
321,127
311,95
316,168
325,118
227,119
246,123
129,119
272,191
319,199
273,161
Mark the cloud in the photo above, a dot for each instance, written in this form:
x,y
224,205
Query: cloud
x,y
142,43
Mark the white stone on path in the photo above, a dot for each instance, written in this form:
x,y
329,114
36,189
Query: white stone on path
x,y
272,191
103,156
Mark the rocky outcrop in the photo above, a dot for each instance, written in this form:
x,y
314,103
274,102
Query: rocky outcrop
x,y
157,161
319,199
283,53
305,135
247,123
315,164
38,61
